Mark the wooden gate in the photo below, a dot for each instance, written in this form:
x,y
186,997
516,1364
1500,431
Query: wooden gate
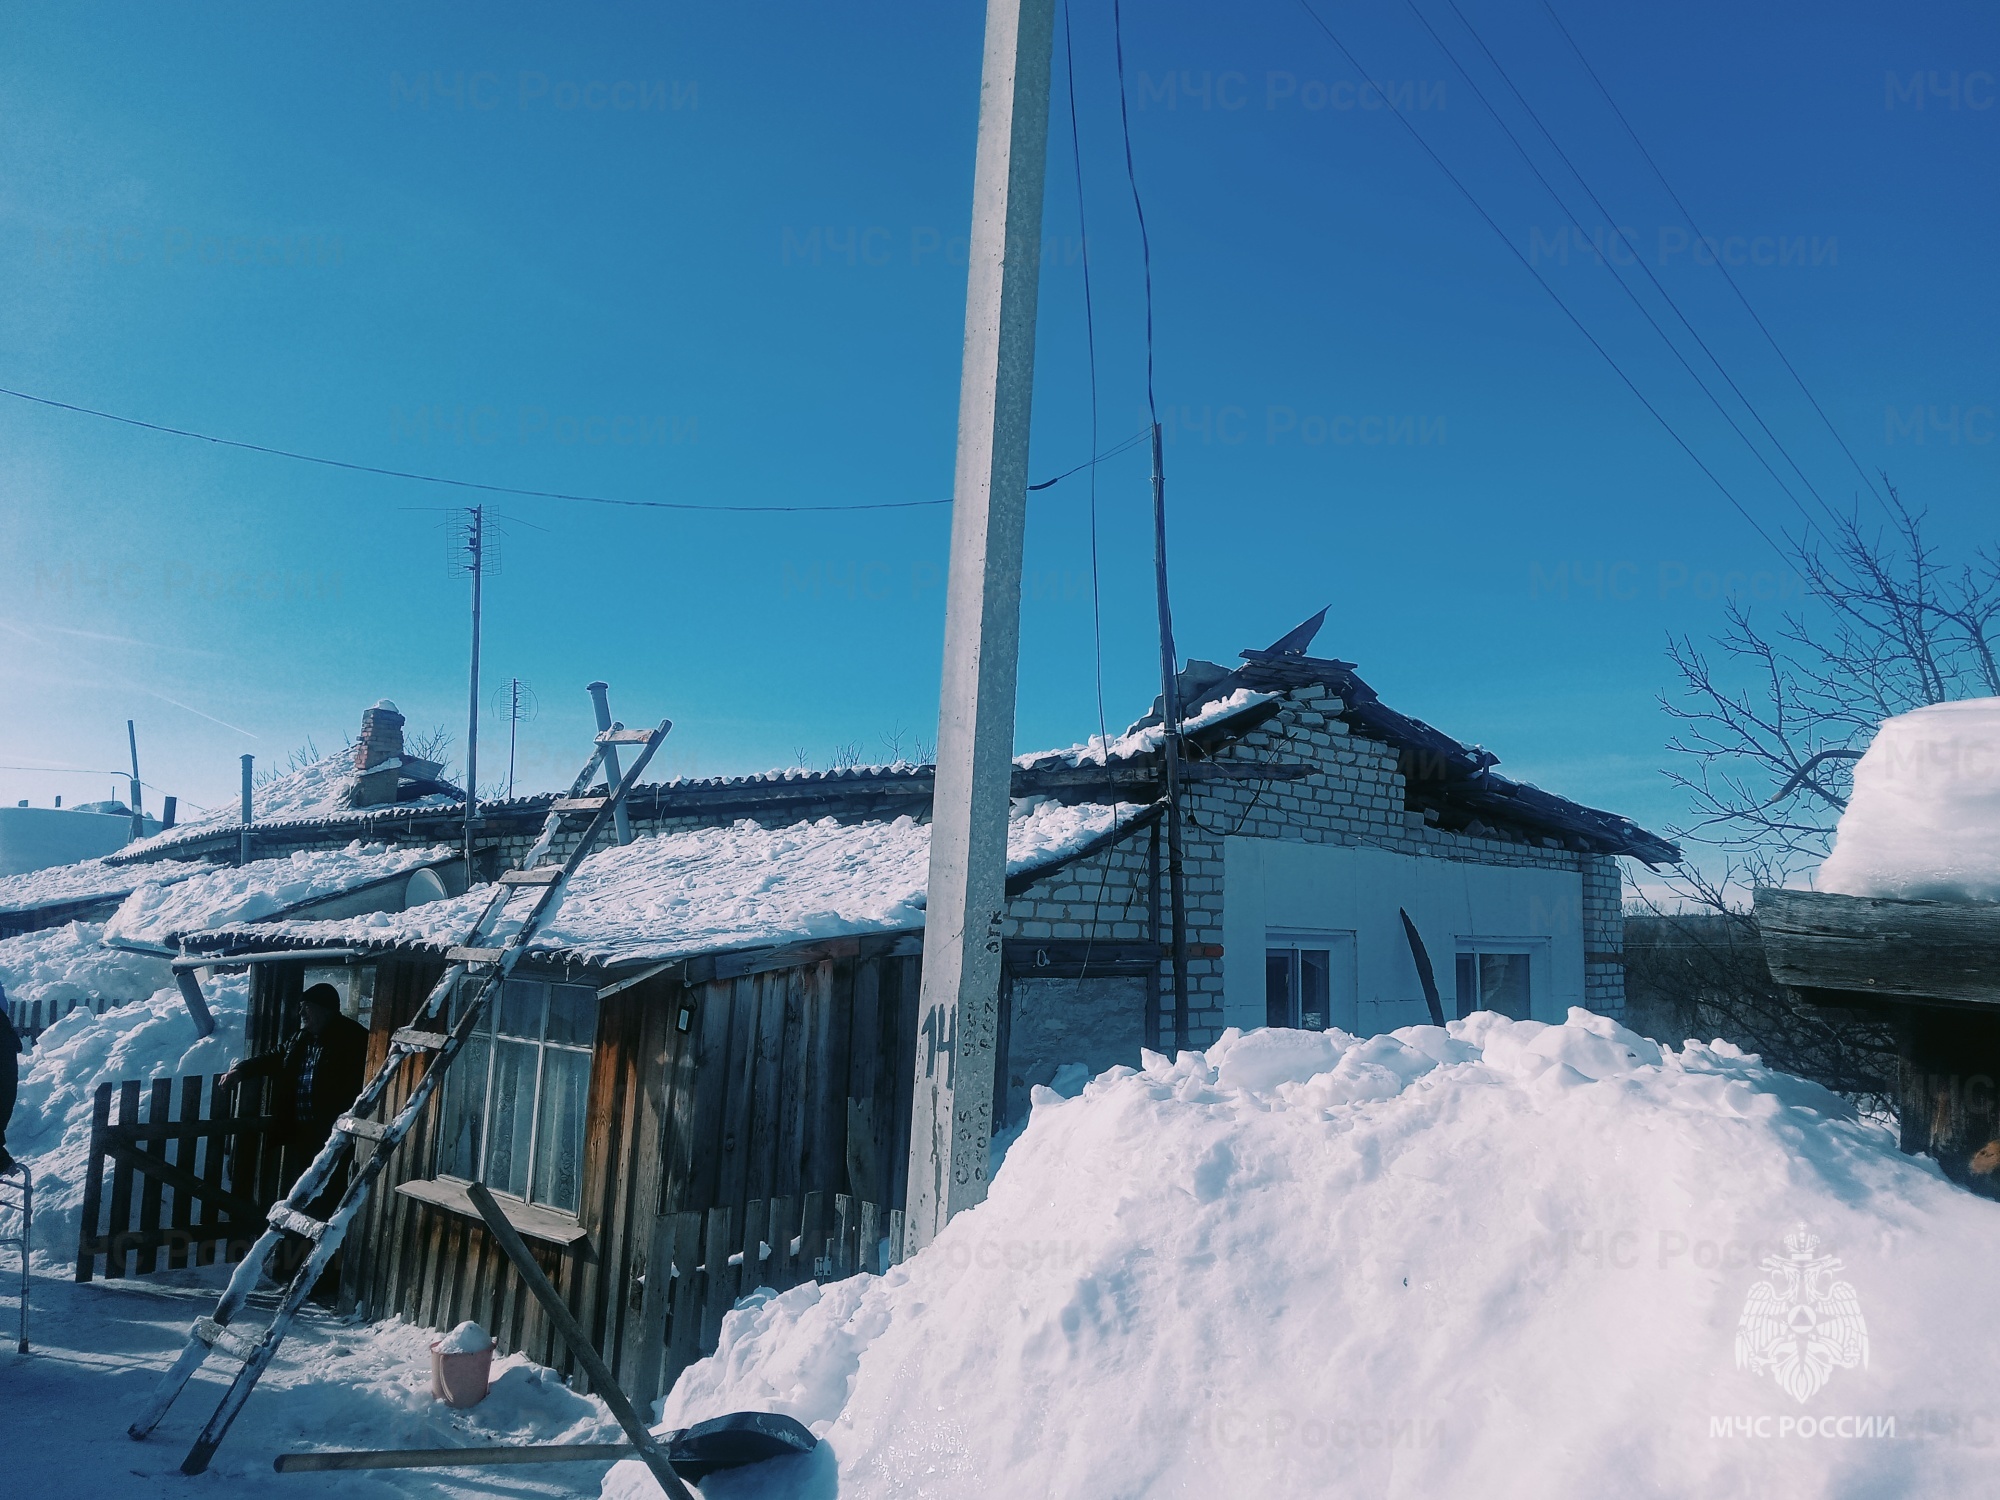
x,y
194,1182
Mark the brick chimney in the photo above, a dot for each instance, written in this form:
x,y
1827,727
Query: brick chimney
x,y
380,744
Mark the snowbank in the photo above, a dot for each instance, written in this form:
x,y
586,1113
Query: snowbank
x,y
1496,1259
60,964
222,894
713,889
153,1038
1923,822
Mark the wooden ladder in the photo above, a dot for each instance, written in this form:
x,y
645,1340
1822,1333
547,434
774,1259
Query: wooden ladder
x,y
487,955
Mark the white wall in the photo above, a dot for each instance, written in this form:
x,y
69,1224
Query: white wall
x,y
1284,883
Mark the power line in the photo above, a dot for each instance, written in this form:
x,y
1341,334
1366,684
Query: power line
x,y
1540,280
1640,260
1090,346
503,489
1608,262
1769,337
1138,208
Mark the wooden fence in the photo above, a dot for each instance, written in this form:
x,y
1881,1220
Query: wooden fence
x,y
193,1182
33,1017
716,1261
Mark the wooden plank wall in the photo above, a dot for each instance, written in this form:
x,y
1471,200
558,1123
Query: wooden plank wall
x,y
782,1084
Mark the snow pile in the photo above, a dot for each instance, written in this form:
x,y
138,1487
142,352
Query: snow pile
x,y
223,894
62,964
153,1038
1496,1259
1143,739
712,889
1923,822
467,1338
83,880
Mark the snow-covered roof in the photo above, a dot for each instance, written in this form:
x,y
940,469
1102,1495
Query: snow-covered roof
x,y
157,914
312,794
671,895
1145,739
61,964
86,880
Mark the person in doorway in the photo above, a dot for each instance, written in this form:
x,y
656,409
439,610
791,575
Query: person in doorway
x,y
10,1076
318,1073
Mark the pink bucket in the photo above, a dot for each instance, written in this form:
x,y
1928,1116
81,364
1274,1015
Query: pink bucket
x,y
461,1379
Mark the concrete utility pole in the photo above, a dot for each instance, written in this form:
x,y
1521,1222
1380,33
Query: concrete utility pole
x,y
952,1126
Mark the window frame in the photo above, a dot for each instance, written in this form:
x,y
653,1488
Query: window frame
x,y
1534,949
489,1034
1343,990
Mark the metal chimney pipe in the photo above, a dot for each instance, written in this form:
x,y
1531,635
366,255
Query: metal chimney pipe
x,y
167,811
243,838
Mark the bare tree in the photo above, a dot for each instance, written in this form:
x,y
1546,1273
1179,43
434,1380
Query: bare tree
x,y
1769,725
1769,736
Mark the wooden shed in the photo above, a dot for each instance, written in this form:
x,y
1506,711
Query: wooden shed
x,y
719,1082
1931,967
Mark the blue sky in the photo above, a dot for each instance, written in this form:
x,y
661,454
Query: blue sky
x,y
707,254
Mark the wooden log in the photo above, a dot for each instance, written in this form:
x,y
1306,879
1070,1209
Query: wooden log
x,y
1935,950
601,1379
452,1458
895,1236
93,1184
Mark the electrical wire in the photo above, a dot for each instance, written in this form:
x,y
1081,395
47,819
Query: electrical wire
x,y
1640,260
503,489
1609,262
1540,280
1769,337
1138,208
1090,347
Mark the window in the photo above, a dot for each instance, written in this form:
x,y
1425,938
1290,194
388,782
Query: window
x,y
515,1101
1309,980
1496,975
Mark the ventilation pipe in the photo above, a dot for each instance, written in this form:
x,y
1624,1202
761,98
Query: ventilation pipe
x,y
243,839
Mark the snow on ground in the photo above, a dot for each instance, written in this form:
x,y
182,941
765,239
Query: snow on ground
x,y
712,889
152,1038
224,894
1923,822
1496,1259
98,1350
85,879
1143,740
61,964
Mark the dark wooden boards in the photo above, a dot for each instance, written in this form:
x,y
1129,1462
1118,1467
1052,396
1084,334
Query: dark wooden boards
x,y
1942,951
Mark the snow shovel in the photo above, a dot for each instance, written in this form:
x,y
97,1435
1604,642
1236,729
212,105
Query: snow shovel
x,y
733,1442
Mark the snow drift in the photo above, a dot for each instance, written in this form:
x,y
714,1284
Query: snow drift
x,y
1500,1258
152,1038
1923,822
